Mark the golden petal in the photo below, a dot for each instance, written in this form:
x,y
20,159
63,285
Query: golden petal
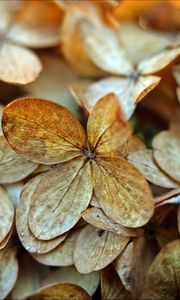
x,y
42,131
26,237
60,291
122,191
60,197
107,129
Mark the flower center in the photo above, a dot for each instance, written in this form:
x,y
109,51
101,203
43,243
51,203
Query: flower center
x,y
89,154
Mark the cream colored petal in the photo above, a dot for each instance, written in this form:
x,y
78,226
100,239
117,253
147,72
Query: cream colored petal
x,y
30,277
107,129
176,73
1,114
166,149
111,286
143,86
158,61
62,255
163,279
122,191
94,201
8,270
96,217
43,131
6,214
89,282
133,263
26,237
144,162
18,65
121,87
14,191
96,248
60,197
102,45
12,166
7,238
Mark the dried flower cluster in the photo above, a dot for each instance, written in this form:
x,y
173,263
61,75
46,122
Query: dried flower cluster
x,y
89,149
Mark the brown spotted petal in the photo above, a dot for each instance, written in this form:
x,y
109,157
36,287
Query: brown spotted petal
x,y
60,291
62,255
133,263
96,248
96,217
45,132
144,162
12,166
107,129
122,192
89,282
26,237
8,270
166,145
59,198
163,278
111,285
6,215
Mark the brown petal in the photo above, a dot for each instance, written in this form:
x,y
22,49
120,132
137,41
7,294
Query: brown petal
x,y
122,191
60,197
107,130
8,270
42,131
6,214
166,147
89,282
94,201
163,277
71,41
61,291
96,217
104,48
7,238
34,29
12,166
158,61
111,286
144,162
96,248
18,65
26,237
133,263
62,255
